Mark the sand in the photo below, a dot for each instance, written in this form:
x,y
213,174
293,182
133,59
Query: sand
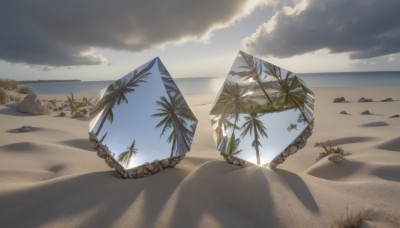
x,y
51,177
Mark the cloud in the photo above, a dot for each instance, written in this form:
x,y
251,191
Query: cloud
x,y
62,33
363,28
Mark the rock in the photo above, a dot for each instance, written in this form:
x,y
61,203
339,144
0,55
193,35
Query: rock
x,y
110,162
339,100
293,149
302,145
164,163
395,116
77,115
236,162
363,99
172,164
4,97
336,158
12,98
25,129
140,171
343,112
61,114
32,105
366,112
387,99
151,168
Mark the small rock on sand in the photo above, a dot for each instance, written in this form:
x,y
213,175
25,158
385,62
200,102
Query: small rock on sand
x,y
387,99
336,158
33,105
366,112
344,112
77,115
25,129
363,99
395,116
61,114
339,99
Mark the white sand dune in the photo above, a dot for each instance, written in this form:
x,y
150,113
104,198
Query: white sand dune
x,y
51,177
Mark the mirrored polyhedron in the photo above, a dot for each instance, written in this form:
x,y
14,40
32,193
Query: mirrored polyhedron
x,y
262,114
141,123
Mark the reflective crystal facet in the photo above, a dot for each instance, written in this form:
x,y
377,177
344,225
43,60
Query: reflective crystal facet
x,y
262,114
141,123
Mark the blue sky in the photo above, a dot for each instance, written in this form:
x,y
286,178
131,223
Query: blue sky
x,y
104,40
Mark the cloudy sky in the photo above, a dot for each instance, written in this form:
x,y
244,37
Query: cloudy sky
x,y
103,40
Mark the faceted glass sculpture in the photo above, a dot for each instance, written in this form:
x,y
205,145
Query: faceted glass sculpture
x,y
262,114
141,123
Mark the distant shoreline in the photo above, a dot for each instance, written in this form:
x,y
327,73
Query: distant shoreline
x,y
46,81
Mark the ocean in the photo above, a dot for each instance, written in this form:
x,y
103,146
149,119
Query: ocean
x,y
212,85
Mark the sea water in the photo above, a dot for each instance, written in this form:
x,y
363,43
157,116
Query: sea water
x,y
212,85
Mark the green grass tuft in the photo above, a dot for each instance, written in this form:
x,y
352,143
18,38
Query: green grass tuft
x,y
328,149
8,84
351,220
25,90
53,102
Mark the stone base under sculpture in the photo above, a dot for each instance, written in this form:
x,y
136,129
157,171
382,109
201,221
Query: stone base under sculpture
x,y
296,145
145,170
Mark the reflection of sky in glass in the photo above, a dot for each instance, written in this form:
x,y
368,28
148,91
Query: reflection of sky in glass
x,y
278,135
134,121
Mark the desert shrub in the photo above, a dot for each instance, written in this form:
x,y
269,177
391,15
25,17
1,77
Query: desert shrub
x,y
17,99
25,90
72,103
351,220
8,84
52,102
86,101
328,149
84,111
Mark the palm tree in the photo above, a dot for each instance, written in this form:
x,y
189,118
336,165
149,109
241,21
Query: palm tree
x,y
116,93
175,114
253,70
290,90
254,126
125,157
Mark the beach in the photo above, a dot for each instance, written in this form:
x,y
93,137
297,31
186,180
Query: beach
x,y
51,176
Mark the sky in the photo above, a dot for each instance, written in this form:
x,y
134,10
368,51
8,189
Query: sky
x,y
96,40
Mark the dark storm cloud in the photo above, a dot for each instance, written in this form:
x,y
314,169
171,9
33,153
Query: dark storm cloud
x,y
55,32
365,28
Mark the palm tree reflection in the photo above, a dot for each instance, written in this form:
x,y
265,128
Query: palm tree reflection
x,y
252,70
231,102
291,92
175,115
125,157
256,127
116,94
